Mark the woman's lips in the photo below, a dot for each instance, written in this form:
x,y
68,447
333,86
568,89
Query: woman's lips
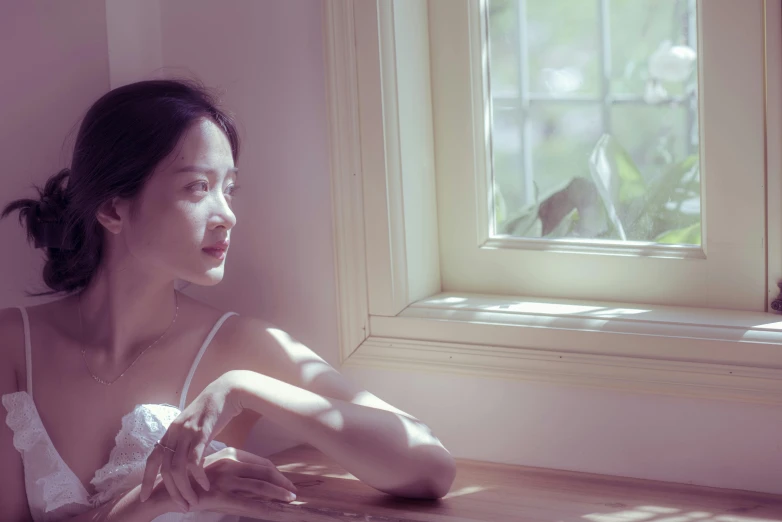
x,y
218,253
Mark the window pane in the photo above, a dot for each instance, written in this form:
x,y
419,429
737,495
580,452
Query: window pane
x,y
641,30
504,49
561,138
594,120
657,141
508,163
563,41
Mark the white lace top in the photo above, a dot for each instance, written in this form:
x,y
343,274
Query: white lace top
x,y
54,492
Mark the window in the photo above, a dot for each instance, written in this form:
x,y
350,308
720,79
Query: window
x,y
594,119
619,211
427,281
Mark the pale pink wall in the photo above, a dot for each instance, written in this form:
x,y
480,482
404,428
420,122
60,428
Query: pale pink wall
x,y
691,441
133,40
53,65
266,55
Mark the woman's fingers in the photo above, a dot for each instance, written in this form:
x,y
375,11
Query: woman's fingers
x,y
199,474
249,505
261,488
268,474
255,466
196,465
180,466
167,473
150,472
251,459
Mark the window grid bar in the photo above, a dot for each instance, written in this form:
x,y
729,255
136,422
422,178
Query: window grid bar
x,y
615,99
692,108
605,64
525,149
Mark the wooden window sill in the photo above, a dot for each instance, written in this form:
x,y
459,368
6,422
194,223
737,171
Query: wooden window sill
x,y
486,491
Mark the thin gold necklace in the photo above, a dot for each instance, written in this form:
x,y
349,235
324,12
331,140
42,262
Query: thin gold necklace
x,y
109,383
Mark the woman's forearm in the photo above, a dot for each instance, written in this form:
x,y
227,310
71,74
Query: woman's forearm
x,y
128,508
388,451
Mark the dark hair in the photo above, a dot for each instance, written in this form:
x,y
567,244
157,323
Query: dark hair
x,y
122,138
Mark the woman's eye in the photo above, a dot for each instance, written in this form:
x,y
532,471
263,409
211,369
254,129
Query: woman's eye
x,y
231,191
202,185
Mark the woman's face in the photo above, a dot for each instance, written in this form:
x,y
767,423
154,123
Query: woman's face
x,y
185,208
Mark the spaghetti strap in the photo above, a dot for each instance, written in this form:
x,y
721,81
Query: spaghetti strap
x,y
27,350
208,340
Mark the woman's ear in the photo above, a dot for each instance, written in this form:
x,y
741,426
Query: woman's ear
x,y
111,214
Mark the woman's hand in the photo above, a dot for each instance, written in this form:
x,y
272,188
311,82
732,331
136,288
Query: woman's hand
x,y
241,482
188,436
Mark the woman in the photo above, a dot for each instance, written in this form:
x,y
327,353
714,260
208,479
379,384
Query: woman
x,y
147,202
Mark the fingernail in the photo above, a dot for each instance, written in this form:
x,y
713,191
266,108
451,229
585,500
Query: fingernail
x,y
291,496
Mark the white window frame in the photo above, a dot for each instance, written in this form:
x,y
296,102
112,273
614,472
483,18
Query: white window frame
x,y
392,313
731,276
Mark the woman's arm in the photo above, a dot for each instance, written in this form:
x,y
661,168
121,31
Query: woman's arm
x,y
380,444
127,508
391,452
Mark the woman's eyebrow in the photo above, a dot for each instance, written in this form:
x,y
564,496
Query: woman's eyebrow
x,y
206,170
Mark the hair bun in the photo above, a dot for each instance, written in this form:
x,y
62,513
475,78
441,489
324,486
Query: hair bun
x,y
53,199
49,213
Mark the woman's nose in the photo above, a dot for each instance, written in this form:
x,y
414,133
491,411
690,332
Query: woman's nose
x,y
224,215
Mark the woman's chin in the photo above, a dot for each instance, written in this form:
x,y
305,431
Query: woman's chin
x,y
212,278
208,278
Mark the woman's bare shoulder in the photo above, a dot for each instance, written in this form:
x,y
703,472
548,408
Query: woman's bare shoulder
x,y
252,343
236,326
231,332
12,342
237,334
240,338
197,310
10,320
244,331
12,333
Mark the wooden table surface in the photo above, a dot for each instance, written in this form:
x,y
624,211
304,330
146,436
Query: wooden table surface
x,y
498,492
